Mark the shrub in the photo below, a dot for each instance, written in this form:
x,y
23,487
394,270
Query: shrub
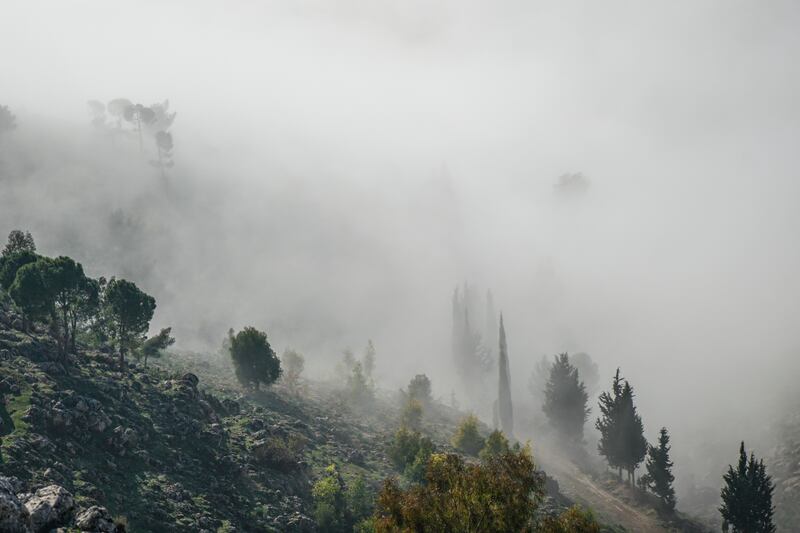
x,y
409,453
573,520
419,389
293,364
412,414
253,358
496,443
500,494
467,438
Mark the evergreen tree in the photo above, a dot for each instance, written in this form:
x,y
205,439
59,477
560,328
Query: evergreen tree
x,y
504,407
467,437
129,312
608,424
659,476
634,444
566,399
419,389
8,121
11,263
19,241
622,440
747,497
153,346
254,360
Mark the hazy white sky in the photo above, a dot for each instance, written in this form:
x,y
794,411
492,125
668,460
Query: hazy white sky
x,y
352,161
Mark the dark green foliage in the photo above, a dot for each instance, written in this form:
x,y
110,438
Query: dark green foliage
x,y
501,493
153,346
11,263
747,497
341,507
30,292
467,437
129,311
659,476
409,453
19,241
253,358
622,440
419,388
504,408
496,443
565,402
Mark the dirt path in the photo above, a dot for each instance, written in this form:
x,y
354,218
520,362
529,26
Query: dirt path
x,y
607,507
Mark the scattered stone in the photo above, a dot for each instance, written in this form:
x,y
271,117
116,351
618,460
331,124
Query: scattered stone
x,y
14,516
95,519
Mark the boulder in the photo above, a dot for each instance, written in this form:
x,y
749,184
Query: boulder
x,y
14,516
50,507
95,519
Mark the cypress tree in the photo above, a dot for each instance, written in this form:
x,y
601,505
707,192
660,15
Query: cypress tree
x,y
747,497
565,399
659,476
504,408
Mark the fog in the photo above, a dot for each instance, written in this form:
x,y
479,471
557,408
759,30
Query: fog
x,y
341,167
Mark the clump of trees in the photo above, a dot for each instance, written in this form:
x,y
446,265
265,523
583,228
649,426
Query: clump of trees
x,y
659,476
58,292
357,375
254,360
340,507
565,400
747,496
501,493
622,440
419,389
154,120
467,437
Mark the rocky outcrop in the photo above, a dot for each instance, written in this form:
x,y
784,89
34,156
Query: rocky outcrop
x,y
96,519
50,507
14,516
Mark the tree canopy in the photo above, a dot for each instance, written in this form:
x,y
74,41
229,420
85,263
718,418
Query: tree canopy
x,y
254,360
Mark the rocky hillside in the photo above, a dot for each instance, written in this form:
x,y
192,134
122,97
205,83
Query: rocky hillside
x,y
94,447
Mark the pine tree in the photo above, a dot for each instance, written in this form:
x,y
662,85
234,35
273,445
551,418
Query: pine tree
x,y
504,407
747,497
566,399
659,476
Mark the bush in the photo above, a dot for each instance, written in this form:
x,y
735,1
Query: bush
x,y
409,453
253,358
500,494
419,389
339,507
467,438
412,414
496,443
573,520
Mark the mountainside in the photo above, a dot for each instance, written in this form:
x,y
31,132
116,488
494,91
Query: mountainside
x,y
161,449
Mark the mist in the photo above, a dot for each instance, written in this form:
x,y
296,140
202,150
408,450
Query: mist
x,y
340,169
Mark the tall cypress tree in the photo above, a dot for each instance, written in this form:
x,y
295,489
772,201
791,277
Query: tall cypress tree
x,y
659,476
504,408
565,399
747,497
